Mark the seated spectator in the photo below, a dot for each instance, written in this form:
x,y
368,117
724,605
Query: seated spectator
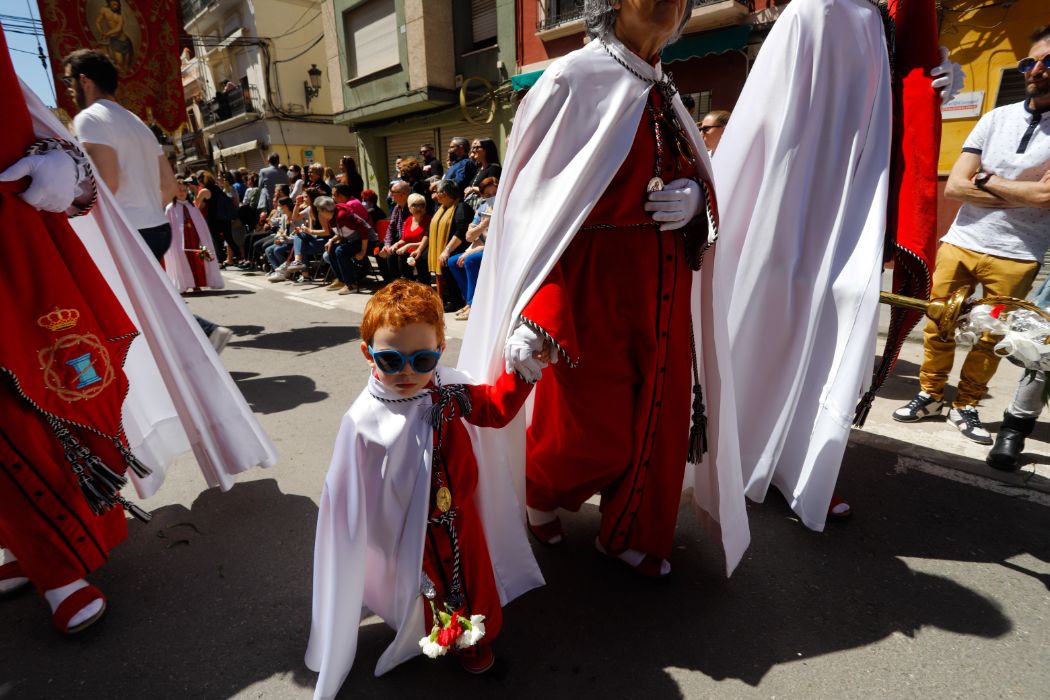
x,y
278,250
412,173
466,266
484,153
349,236
315,178
411,250
448,236
371,201
387,258
329,178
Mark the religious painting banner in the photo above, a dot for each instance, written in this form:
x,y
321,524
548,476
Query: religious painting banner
x,y
142,38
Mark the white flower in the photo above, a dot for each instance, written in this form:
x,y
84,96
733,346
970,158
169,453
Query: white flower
x,y
431,648
470,637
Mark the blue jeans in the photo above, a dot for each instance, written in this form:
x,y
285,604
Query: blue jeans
x,y
277,253
342,260
307,244
467,276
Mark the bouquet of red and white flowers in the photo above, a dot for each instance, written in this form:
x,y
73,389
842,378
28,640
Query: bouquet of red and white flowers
x,y
451,629
1025,334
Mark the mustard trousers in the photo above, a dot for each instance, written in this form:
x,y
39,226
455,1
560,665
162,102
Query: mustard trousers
x,y
999,277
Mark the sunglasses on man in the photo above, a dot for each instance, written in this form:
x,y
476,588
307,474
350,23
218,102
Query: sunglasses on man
x,y
392,361
68,80
1027,65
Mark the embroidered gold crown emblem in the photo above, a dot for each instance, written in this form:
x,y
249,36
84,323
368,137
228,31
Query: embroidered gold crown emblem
x,y
59,319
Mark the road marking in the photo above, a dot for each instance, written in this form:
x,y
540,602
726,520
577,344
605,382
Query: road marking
x,y
241,282
311,302
981,482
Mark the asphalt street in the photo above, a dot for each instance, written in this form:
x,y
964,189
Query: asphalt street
x,y
935,588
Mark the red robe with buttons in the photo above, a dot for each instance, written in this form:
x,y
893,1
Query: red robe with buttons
x,y
493,406
613,416
53,371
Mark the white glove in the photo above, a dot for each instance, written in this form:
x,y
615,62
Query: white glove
x,y
519,353
54,185
675,205
948,77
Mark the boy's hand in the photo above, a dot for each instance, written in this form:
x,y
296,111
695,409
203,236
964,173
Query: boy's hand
x,y
522,353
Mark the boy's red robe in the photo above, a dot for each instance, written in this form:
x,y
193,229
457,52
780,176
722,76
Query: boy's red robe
x,y
61,382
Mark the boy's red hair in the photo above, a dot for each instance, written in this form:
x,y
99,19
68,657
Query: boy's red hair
x,y
402,303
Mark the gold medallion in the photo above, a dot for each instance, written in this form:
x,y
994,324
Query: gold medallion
x,y
655,185
444,499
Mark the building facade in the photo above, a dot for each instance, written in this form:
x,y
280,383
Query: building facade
x,y
987,39
248,79
408,72
709,63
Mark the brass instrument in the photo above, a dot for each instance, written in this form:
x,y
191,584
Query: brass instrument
x,y
945,312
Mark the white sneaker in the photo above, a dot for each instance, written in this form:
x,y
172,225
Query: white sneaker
x,y
969,424
219,337
922,406
278,275
295,266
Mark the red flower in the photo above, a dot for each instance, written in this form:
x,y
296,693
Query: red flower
x,y
996,310
448,635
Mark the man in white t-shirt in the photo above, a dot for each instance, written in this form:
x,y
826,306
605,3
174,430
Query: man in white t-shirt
x,y
998,239
126,156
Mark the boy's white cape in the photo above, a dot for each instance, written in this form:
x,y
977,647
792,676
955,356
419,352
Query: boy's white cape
x,y
181,397
371,527
571,134
175,262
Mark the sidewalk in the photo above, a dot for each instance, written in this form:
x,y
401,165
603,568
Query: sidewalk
x,y
933,441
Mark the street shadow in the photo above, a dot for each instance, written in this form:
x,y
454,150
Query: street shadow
x,y
203,603
277,394
216,293
246,330
302,341
598,630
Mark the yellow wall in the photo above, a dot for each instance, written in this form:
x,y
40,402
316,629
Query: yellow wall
x,y
984,41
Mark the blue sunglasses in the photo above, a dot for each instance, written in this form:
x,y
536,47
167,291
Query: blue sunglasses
x,y
392,361
1027,65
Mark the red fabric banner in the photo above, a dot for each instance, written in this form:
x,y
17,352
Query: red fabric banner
x,y
142,38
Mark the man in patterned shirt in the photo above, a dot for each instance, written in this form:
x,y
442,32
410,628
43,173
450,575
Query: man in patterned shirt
x,y
998,239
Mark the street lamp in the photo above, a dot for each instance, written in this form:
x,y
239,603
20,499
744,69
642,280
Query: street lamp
x,y
312,88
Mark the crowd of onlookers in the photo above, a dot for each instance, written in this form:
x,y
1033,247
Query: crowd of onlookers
x,y
321,226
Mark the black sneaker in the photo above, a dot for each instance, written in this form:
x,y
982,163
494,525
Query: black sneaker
x,y
922,406
969,424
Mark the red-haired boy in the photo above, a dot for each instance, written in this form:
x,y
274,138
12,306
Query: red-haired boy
x,y
407,520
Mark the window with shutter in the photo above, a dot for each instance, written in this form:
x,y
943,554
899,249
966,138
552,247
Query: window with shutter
x,y
1011,87
483,22
371,38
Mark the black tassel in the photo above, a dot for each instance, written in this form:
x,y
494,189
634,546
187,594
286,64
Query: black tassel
x,y
112,481
136,512
133,463
698,430
863,409
98,503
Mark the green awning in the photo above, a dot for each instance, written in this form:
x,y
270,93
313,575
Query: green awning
x,y
525,80
707,43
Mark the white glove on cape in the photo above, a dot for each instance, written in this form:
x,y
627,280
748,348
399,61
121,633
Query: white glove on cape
x,y
54,185
675,205
948,77
522,344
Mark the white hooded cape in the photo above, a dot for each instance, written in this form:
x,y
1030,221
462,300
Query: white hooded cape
x,y
181,397
371,527
175,262
571,134
802,178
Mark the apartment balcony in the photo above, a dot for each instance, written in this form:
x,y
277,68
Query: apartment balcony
x,y
715,14
235,104
191,146
705,15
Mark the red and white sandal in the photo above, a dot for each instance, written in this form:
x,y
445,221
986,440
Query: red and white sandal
x,y
838,509
74,603
12,578
650,565
548,534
